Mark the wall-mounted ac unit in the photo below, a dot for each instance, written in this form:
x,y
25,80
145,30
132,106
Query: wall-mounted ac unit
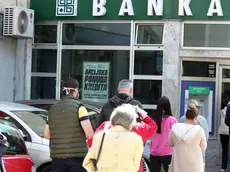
x,y
18,22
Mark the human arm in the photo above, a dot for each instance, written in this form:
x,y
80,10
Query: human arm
x,y
227,118
90,139
102,115
85,122
147,128
182,119
203,141
170,139
138,153
47,132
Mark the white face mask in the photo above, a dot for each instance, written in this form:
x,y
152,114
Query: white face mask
x,y
67,90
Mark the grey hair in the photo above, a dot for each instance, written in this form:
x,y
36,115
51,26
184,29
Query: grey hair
x,y
125,83
193,105
124,115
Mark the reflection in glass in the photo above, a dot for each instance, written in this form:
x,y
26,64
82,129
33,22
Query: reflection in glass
x,y
45,34
72,65
226,73
96,34
148,63
199,69
206,35
147,91
225,94
43,87
150,34
44,60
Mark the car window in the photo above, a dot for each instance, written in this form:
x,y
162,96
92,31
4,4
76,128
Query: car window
x,y
7,117
36,120
15,140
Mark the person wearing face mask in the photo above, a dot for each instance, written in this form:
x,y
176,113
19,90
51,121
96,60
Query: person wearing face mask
x,y
68,126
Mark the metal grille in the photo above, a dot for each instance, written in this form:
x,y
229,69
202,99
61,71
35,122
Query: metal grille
x,y
8,21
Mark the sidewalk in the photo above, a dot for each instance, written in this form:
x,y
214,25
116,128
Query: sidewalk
x,y
212,169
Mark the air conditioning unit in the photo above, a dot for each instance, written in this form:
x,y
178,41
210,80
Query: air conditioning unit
x,y
18,22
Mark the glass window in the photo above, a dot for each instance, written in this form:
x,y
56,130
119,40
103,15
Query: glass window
x,y
226,73
199,69
44,60
96,70
36,120
148,63
225,94
43,87
150,34
206,35
147,91
151,113
45,34
15,140
96,34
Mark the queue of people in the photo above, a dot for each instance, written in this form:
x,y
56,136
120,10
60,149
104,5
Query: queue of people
x,y
124,127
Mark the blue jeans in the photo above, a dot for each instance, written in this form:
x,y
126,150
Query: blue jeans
x,y
228,169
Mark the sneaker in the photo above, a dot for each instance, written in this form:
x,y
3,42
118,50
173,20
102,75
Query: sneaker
x,y
222,170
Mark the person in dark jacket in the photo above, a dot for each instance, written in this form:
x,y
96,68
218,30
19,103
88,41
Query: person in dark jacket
x,y
125,90
227,122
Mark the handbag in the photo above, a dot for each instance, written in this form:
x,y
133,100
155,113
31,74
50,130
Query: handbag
x,y
95,161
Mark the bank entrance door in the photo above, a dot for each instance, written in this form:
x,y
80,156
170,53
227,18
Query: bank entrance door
x,y
224,86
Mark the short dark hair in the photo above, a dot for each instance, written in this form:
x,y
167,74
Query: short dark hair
x,y
191,113
70,84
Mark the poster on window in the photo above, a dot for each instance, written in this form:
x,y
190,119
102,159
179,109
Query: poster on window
x,y
95,83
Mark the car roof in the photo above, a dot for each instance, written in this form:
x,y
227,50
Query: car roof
x,y
55,101
17,107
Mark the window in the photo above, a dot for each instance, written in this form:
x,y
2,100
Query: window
x,y
43,87
45,34
147,91
206,35
16,142
97,71
199,69
17,124
150,34
44,60
148,63
96,34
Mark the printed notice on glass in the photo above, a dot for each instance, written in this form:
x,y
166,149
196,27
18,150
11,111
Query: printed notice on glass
x,y
95,83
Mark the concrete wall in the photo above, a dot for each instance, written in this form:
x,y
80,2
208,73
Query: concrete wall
x,y
12,61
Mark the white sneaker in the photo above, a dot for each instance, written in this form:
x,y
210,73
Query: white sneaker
x,y
222,170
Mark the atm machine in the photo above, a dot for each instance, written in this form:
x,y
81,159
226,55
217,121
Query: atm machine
x,y
205,96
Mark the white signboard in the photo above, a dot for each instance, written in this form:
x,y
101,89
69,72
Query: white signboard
x,y
95,81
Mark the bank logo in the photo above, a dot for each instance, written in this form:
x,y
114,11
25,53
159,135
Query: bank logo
x,y
66,8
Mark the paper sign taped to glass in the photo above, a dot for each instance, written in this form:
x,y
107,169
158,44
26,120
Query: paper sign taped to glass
x,y
95,81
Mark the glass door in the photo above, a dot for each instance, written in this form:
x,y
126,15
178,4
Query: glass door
x,y
224,86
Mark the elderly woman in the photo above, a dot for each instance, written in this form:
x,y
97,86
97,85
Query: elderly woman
x,y
122,149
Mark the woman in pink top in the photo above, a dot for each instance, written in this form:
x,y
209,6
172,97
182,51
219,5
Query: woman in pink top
x,y
160,152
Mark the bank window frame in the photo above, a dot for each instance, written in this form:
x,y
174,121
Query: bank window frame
x,y
95,47
137,24
201,23
46,23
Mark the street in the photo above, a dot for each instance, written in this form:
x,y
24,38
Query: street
x,y
213,169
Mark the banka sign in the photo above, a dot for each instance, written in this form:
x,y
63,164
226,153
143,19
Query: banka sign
x,y
154,7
